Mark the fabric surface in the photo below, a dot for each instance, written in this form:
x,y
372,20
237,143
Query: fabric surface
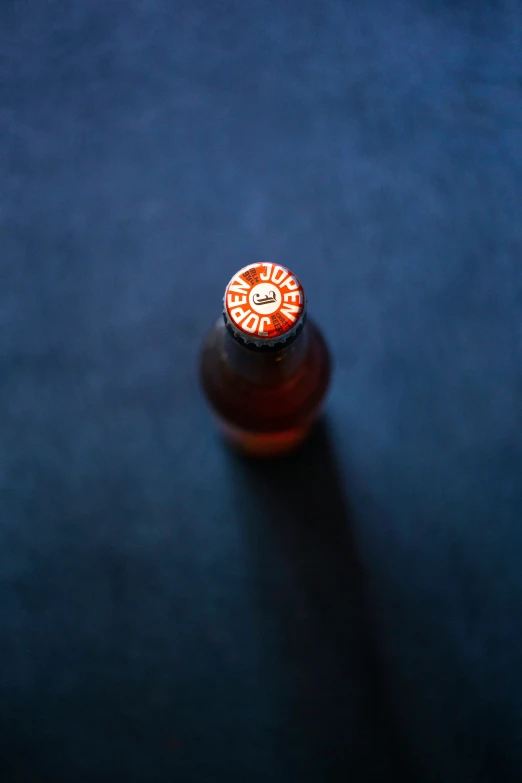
x,y
167,611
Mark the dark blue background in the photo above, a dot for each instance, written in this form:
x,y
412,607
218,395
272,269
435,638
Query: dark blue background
x,y
168,613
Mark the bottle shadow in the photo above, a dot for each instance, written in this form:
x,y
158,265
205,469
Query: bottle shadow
x,y
307,557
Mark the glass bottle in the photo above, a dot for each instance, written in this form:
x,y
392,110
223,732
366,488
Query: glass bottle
x,y
265,367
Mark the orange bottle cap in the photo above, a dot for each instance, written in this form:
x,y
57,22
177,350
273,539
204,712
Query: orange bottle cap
x,y
264,305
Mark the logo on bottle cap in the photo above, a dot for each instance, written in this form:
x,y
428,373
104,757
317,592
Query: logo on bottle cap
x,y
264,304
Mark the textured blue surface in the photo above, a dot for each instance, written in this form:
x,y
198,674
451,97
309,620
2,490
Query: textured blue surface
x,y
166,612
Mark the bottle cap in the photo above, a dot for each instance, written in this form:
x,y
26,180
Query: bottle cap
x,y
264,306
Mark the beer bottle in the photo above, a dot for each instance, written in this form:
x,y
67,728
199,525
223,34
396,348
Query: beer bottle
x,y
265,367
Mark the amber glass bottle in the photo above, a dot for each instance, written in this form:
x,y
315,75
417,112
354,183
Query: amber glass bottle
x,y
265,367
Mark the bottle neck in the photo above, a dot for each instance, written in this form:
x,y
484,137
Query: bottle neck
x,y
266,368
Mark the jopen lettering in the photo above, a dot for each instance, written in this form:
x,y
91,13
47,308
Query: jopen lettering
x,y
251,323
264,323
290,311
265,300
239,314
279,274
265,276
289,297
236,299
238,285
